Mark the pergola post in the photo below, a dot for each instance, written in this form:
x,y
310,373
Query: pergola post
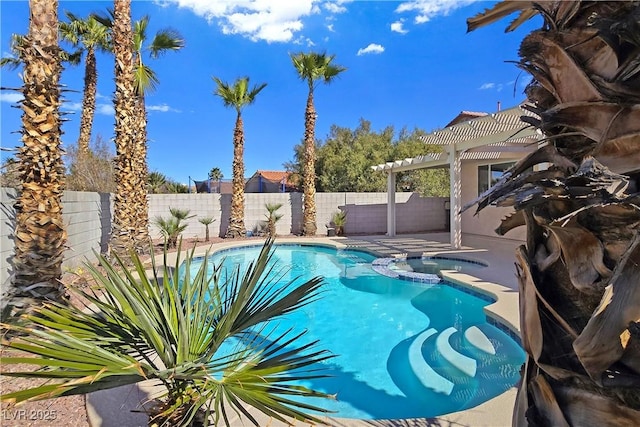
x,y
455,197
391,204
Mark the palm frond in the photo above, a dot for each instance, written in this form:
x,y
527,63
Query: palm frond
x,y
169,326
501,10
165,40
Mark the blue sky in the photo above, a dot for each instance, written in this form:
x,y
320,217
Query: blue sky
x,y
409,64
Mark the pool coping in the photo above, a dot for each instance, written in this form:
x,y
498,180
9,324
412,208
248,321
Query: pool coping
x,y
502,313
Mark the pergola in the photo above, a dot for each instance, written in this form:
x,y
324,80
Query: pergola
x,y
487,137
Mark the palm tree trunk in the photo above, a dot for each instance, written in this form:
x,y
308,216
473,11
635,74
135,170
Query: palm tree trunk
x,y
88,102
577,195
126,127
40,231
309,226
236,220
142,219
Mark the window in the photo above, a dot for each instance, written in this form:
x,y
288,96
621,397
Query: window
x,y
488,175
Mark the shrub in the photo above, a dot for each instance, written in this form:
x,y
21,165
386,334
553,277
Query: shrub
x,y
339,220
206,221
172,227
272,217
168,328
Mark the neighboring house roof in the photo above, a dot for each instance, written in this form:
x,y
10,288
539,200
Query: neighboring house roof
x,y
465,116
280,177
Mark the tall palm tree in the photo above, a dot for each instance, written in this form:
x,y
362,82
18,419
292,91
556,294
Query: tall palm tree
x,y
146,80
90,35
40,233
578,272
125,234
312,67
237,96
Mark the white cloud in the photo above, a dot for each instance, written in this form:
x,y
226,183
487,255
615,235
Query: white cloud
x,y
397,27
162,108
486,86
372,48
10,97
427,9
268,20
72,106
336,6
105,109
330,27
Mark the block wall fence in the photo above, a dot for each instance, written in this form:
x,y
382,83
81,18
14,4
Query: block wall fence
x,y
88,217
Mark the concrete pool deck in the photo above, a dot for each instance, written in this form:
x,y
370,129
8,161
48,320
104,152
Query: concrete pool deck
x,y
113,408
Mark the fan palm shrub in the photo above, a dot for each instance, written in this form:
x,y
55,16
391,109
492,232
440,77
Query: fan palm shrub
x,y
206,221
172,227
169,327
339,220
272,217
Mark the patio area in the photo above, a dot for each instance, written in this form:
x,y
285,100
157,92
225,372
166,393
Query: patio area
x,y
112,408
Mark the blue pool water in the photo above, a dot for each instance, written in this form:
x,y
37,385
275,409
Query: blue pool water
x,y
404,349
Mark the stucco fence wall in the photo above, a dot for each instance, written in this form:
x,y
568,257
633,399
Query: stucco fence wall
x,y
88,217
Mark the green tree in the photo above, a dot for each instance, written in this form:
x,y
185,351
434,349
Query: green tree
x,y
89,35
312,67
426,182
345,159
577,195
237,96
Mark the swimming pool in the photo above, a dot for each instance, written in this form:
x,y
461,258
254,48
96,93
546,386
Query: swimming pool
x,y
405,349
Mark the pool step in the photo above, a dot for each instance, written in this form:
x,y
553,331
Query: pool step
x,y
463,363
479,340
427,376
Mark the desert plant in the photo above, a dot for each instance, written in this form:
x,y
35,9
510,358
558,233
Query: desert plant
x,y
272,217
172,227
578,273
339,220
206,221
169,327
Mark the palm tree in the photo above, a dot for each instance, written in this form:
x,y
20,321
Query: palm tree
x,y
146,80
40,233
206,221
312,67
90,35
237,96
578,272
14,60
126,235
156,182
177,332
215,174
